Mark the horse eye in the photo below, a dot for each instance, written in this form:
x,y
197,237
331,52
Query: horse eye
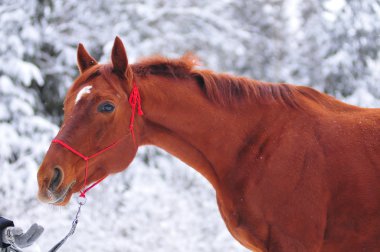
x,y
106,107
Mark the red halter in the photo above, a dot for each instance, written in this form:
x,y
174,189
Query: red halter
x,y
135,102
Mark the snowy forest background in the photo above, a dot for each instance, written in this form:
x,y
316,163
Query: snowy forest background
x,y
159,204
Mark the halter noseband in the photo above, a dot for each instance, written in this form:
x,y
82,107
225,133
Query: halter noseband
x,y
135,102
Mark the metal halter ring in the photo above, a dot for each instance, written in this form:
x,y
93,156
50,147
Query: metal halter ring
x,y
81,200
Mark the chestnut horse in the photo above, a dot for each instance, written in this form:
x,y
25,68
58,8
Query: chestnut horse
x,y
293,169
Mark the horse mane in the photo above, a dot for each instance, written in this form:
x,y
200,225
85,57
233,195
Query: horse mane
x,y
226,89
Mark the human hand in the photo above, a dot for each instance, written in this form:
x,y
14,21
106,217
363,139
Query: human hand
x,y
16,236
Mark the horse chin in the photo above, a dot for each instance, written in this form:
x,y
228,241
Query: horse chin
x,y
63,200
64,197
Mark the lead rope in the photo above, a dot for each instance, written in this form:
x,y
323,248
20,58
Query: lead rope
x,y
135,102
82,196
81,201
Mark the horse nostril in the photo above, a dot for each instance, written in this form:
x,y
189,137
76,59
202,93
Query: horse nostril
x,y
56,179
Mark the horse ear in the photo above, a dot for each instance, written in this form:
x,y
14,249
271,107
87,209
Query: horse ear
x,y
84,59
119,57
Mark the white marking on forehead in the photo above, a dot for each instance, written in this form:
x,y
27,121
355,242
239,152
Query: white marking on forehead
x,y
82,92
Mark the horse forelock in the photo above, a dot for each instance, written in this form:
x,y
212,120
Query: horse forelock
x,y
111,80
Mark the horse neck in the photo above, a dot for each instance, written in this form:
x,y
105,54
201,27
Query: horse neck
x,y
180,119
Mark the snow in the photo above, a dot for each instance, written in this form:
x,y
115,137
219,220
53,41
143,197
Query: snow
x,y
362,97
24,71
85,90
159,203
334,5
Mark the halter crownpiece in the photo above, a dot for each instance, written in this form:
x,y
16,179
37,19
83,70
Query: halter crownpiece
x,y
135,102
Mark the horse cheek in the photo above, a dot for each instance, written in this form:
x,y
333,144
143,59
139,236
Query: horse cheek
x,y
120,164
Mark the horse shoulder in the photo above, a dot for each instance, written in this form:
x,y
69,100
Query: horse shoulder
x,y
277,185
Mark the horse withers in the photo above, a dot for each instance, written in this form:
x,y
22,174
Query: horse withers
x,y
293,169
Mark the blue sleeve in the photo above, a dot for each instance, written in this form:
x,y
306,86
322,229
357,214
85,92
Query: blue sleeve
x,y
4,223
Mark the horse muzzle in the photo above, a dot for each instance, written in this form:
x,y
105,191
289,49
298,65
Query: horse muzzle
x,y
55,197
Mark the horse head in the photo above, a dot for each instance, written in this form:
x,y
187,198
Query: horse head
x,y
97,113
